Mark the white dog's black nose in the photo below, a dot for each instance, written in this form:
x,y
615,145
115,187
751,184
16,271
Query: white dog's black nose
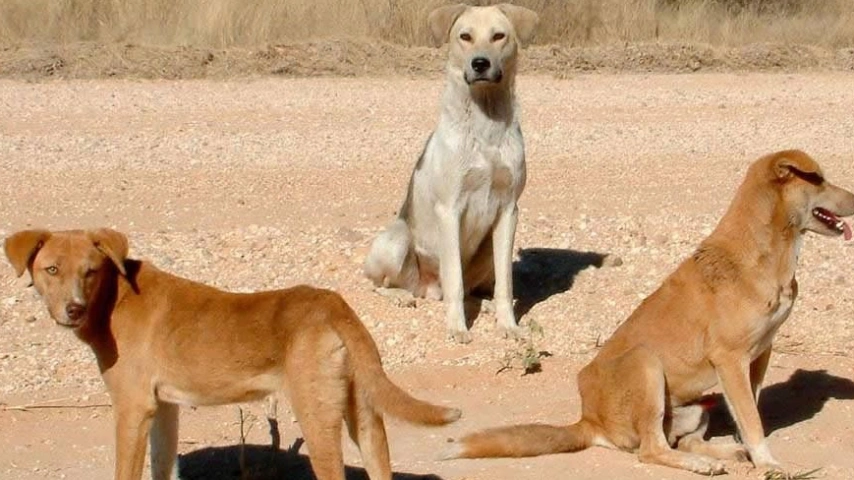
x,y
480,64
75,311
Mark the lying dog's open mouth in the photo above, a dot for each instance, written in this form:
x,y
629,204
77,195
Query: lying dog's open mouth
x,y
832,222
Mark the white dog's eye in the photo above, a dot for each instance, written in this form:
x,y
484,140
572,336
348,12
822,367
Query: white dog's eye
x,y
465,37
51,270
498,36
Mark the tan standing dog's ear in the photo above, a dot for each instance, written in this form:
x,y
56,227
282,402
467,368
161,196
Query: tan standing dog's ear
x,y
441,20
790,162
22,247
112,244
524,20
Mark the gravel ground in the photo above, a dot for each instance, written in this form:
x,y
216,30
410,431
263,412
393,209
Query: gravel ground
x,y
264,183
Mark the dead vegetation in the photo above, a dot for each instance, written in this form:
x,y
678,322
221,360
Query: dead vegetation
x,y
237,23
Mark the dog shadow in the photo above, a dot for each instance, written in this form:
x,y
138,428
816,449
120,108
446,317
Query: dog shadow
x,y
262,462
540,273
784,404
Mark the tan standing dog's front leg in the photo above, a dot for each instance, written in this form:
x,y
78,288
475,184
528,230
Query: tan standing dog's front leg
x,y
451,273
133,422
733,377
164,442
502,253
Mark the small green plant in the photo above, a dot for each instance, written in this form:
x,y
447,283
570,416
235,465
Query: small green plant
x,y
527,357
781,475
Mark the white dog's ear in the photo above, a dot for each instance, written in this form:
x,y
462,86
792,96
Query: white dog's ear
x,y
441,20
524,21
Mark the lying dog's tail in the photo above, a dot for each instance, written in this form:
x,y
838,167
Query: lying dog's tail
x,y
369,373
521,441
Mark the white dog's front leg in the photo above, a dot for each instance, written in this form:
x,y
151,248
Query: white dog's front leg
x,y
502,254
451,273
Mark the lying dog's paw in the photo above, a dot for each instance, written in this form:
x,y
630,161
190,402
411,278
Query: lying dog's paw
x,y
706,466
460,336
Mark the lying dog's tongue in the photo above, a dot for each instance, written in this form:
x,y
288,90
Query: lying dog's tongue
x,y
846,230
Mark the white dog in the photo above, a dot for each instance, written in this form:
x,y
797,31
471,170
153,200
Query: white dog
x,y
455,230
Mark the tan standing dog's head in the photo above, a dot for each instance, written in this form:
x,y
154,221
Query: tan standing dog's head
x,y
812,203
483,40
68,268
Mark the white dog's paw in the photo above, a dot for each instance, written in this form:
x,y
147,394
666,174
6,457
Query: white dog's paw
x,y
400,297
460,336
513,332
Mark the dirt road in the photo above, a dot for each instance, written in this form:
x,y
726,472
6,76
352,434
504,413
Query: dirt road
x,y
265,183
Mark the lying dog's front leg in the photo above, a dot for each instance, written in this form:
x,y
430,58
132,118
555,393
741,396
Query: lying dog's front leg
x,y
133,421
733,377
757,373
451,273
502,240
164,442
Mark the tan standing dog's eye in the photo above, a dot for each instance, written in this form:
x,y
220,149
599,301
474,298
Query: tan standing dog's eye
x,y
498,36
51,270
465,37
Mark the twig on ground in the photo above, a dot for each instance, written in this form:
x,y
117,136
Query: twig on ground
x,y
50,404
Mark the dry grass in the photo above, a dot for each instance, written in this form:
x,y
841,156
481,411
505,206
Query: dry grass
x,y
227,23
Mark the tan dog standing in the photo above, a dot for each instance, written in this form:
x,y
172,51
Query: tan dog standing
x,y
162,341
455,230
711,322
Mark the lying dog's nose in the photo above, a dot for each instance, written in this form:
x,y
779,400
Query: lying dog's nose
x,y
480,64
75,311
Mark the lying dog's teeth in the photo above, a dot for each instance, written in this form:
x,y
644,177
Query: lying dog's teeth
x,y
840,225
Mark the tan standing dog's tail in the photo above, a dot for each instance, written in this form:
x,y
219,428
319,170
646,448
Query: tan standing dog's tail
x,y
521,441
370,376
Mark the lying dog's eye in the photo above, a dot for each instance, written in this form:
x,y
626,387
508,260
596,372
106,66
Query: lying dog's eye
x,y
51,270
465,37
498,36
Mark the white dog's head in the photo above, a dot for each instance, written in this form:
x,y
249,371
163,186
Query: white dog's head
x,y
483,40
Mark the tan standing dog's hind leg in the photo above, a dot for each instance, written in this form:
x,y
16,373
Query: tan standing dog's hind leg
x,y
367,429
164,442
319,390
133,421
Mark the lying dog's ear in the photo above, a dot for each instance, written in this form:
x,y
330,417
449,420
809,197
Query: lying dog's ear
x,y
798,163
524,21
441,20
112,244
22,247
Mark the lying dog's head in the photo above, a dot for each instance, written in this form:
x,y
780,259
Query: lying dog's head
x,y
68,268
811,202
483,40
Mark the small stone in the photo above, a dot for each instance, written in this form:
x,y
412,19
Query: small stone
x,y
612,261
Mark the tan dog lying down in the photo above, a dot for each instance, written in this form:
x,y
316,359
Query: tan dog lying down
x,y
711,321
163,341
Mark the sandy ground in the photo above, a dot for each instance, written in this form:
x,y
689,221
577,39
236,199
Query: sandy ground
x,y
264,183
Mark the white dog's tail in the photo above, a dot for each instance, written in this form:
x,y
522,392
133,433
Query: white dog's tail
x,y
370,376
522,441
387,257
